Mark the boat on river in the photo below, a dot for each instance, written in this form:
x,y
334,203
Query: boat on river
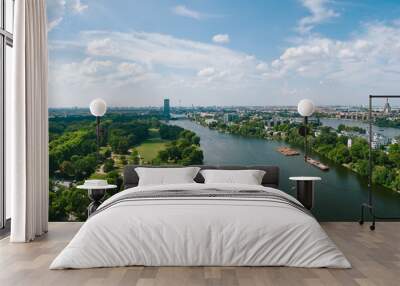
x,y
317,164
288,151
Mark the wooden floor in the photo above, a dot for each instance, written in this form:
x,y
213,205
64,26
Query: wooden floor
x,y
375,257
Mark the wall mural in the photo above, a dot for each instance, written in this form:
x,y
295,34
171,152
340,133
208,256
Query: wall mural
x,y
218,82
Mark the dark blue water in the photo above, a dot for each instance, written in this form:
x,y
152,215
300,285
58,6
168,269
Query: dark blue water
x,y
337,197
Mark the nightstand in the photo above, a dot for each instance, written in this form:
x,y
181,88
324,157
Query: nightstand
x,y
96,190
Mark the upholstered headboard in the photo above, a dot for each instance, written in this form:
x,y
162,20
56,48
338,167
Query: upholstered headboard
x,y
271,177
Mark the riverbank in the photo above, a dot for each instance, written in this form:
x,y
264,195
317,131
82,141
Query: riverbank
x,y
328,143
338,195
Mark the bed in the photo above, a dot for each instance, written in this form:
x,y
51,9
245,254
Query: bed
x,y
198,224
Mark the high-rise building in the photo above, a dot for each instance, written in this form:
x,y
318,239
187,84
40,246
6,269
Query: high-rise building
x,y
167,110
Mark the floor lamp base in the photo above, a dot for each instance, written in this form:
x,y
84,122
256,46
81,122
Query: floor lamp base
x,y
371,212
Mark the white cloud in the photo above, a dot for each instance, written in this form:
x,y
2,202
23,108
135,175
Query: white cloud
x,y
146,61
164,50
78,80
102,47
142,68
262,66
368,59
78,7
319,13
58,9
131,69
206,72
221,39
55,12
182,10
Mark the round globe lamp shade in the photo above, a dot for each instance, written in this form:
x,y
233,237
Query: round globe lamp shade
x,y
98,107
306,107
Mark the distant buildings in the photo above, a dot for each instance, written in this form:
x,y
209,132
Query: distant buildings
x,y
167,110
210,121
207,115
387,109
349,143
230,117
379,140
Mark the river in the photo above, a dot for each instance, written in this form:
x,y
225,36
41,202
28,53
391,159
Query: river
x,y
337,197
386,131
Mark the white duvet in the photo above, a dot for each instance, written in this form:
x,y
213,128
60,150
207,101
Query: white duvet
x,y
199,231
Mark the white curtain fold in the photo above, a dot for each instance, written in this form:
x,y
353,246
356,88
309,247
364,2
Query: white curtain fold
x,y
28,123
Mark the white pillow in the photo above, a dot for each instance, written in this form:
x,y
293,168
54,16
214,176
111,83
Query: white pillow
x,y
166,176
248,177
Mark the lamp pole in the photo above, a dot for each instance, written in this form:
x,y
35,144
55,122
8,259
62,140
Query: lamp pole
x,y
98,108
98,137
369,205
305,137
305,108
370,152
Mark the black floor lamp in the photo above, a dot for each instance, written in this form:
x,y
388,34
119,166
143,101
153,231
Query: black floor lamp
x,y
369,204
305,108
98,108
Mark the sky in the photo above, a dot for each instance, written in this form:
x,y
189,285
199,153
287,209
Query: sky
x,y
222,52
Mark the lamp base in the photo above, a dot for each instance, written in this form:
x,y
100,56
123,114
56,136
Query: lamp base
x,y
372,213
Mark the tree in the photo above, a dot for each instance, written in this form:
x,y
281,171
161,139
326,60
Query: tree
x,y
108,165
339,154
67,169
76,202
326,137
185,150
84,166
119,143
380,175
123,159
394,154
380,158
196,140
170,132
107,153
359,149
361,167
192,156
163,156
114,178
134,157
56,207
341,127
396,180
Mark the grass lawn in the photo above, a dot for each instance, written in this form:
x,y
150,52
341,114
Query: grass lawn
x,y
149,149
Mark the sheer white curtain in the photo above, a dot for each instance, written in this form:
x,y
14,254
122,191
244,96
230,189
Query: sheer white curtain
x,y
28,123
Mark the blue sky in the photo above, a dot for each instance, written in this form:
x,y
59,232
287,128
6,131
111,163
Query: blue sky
x,y
209,52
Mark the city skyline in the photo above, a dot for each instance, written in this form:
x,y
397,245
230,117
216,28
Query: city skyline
x,y
222,53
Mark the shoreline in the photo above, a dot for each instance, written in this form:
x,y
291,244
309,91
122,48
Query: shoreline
x,y
279,138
